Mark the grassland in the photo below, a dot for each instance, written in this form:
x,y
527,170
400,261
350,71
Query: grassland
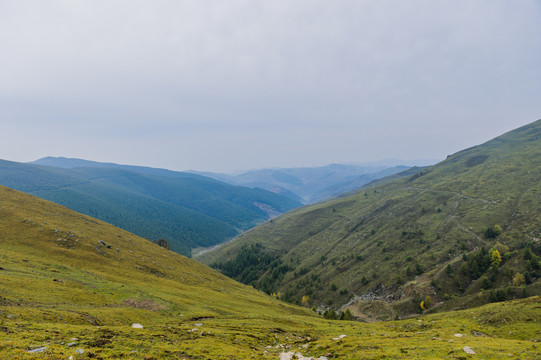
x,y
70,284
410,238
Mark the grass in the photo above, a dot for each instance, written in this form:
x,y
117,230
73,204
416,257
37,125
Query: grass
x,y
70,282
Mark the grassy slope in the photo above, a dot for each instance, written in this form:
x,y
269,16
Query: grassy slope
x,y
187,210
431,219
59,284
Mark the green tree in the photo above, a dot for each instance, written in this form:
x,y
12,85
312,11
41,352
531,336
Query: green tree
x,y
518,279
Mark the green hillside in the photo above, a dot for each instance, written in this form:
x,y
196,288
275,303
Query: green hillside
x,y
185,209
434,233
74,287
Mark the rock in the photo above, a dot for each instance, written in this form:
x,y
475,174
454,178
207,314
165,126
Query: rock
x,y
468,350
459,335
291,355
38,350
136,326
340,337
80,351
74,339
72,344
198,324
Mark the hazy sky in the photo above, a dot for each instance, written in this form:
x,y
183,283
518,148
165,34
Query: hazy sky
x,y
225,85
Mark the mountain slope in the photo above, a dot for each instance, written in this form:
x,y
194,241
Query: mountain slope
x,y
431,234
72,286
187,210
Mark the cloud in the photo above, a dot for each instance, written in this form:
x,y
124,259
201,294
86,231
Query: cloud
x,y
251,69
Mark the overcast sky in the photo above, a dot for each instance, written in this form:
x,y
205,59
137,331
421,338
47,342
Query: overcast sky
x,y
226,85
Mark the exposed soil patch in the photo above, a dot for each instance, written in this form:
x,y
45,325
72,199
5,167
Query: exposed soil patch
x,y
144,304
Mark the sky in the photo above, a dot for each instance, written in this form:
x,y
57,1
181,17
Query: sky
x,y
227,85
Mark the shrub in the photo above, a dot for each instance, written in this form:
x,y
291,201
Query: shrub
x,y
518,279
493,232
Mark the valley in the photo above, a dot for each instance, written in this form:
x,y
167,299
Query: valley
x,y
270,180
431,262
186,210
75,287
462,233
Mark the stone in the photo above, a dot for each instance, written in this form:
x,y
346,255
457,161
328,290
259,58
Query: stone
x,y
468,350
136,326
80,351
38,350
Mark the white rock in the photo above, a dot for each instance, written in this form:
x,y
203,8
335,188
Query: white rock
x,y
38,350
468,350
289,356
198,324
459,335
80,351
340,337
136,326
286,356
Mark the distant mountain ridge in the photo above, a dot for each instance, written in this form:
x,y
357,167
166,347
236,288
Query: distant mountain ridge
x,y
313,184
461,233
188,210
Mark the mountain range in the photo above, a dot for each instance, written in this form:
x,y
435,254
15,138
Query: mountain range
x,y
187,210
314,184
461,233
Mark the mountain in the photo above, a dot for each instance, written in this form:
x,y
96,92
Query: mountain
x,y
187,210
75,287
312,184
463,232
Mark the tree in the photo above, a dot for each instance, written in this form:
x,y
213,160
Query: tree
x,y
518,279
428,302
449,271
305,301
493,232
495,258
163,243
346,315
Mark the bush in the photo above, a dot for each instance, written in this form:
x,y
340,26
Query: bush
x,y
518,279
346,315
493,232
